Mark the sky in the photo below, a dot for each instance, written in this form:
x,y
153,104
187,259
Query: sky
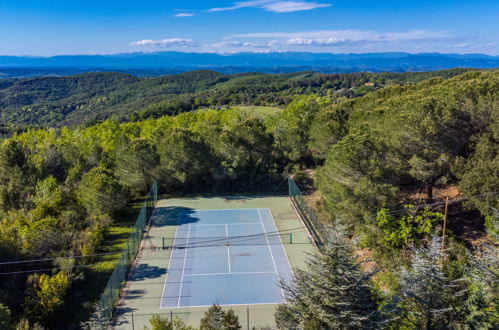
x,y
54,27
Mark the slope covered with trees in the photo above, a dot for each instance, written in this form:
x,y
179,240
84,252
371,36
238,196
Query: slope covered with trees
x,y
92,97
61,190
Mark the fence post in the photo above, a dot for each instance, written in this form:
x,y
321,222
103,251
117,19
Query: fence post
x,y
171,316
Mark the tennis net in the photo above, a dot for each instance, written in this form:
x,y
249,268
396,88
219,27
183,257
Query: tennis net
x,y
201,242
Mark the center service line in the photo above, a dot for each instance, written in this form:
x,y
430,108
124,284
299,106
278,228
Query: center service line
x,y
228,250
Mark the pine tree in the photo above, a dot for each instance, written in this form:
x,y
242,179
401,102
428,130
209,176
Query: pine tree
x,y
159,323
332,293
215,318
428,298
481,308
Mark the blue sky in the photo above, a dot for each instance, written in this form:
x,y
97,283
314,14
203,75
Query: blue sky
x,y
50,27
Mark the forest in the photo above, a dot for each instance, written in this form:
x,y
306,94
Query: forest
x,y
86,99
378,152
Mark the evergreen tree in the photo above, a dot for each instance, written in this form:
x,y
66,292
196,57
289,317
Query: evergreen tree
x,y
24,324
100,192
159,323
332,293
215,318
481,308
428,298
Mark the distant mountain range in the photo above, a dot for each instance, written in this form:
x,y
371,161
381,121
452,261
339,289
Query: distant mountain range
x,y
159,63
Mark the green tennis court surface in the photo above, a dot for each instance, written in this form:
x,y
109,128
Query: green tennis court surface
x,y
191,243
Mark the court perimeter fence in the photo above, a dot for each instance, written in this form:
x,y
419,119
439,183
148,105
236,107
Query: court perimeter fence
x,y
111,293
317,228
249,317
256,183
270,184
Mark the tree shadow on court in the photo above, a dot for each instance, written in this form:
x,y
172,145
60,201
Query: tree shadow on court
x,y
121,316
144,271
169,216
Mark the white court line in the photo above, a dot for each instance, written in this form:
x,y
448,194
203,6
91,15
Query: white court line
x,y
270,250
224,209
183,268
282,245
187,306
234,273
228,250
170,261
223,224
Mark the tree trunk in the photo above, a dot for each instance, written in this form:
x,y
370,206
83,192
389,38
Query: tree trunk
x,y
429,192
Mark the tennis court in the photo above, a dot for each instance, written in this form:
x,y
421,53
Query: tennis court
x,y
220,229
232,257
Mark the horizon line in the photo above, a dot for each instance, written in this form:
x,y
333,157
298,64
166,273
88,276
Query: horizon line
x,y
243,52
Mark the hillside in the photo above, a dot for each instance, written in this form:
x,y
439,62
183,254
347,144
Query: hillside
x,y
383,162
91,97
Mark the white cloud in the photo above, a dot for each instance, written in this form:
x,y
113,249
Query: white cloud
x,y
172,42
184,15
342,37
239,44
316,42
276,6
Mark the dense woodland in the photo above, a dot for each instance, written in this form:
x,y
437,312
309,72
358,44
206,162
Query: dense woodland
x,y
88,98
376,156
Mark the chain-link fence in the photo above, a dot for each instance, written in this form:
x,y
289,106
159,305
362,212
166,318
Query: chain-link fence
x,y
111,293
249,317
268,184
314,225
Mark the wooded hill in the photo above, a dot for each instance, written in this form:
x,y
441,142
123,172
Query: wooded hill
x,y
376,158
87,98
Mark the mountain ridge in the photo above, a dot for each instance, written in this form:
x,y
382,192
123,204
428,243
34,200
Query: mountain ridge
x,y
243,62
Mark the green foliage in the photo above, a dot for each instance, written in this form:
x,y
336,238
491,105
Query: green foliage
x,y
327,128
92,97
358,176
413,137
479,175
5,317
292,133
428,298
159,323
61,190
100,192
16,175
50,291
215,318
403,230
24,324
48,198
332,293
137,164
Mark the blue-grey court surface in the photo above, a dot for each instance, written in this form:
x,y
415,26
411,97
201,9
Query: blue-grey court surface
x,y
232,257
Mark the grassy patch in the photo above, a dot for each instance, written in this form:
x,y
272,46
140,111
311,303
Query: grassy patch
x,y
258,111
86,292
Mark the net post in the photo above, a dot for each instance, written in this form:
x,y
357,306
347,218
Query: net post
x,y
290,238
163,244
247,317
